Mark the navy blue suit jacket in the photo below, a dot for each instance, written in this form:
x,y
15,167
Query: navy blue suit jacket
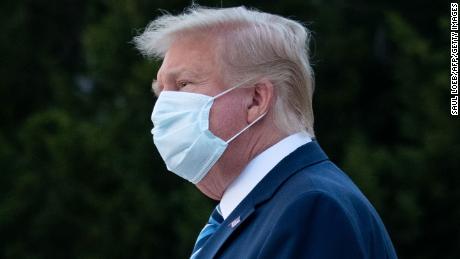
x,y
305,207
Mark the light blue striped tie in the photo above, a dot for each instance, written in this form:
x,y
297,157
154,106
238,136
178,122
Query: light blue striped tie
x,y
213,224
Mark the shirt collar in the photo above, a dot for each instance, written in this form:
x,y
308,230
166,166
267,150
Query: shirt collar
x,y
257,169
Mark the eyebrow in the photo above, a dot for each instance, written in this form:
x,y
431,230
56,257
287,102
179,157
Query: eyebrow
x,y
179,72
155,87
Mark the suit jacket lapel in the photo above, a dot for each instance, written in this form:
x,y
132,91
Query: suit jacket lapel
x,y
306,155
229,225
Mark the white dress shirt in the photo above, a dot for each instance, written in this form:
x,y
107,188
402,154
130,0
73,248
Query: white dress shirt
x,y
257,169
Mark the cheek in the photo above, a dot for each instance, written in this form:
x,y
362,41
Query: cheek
x,y
227,117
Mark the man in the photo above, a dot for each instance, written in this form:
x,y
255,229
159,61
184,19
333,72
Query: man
x,y
234,117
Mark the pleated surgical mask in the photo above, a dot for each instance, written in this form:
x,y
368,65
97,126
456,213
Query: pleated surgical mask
x,y
182,136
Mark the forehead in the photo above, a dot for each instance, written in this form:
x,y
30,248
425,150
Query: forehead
x,y
192,54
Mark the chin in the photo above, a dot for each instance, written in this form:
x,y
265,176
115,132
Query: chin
x,y
202,186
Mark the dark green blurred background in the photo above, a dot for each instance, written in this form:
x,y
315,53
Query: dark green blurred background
x,y
80,177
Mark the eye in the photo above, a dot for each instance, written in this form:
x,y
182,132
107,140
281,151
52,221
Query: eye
x,y
182,84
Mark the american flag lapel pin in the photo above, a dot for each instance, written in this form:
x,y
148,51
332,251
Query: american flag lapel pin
x,y
235,222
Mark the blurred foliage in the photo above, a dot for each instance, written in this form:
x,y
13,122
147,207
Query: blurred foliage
x,y
80,177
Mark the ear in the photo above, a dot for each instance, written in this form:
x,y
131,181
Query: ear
x,y
262,99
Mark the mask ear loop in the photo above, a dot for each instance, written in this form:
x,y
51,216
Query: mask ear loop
x,y
231,88
250,124
245,128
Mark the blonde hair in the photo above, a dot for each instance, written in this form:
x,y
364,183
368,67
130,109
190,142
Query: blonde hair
x,y
254,45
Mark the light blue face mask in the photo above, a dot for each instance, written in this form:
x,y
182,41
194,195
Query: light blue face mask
x,y
182,136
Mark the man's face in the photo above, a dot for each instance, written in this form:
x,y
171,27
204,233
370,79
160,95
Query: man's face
x,y
192,64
